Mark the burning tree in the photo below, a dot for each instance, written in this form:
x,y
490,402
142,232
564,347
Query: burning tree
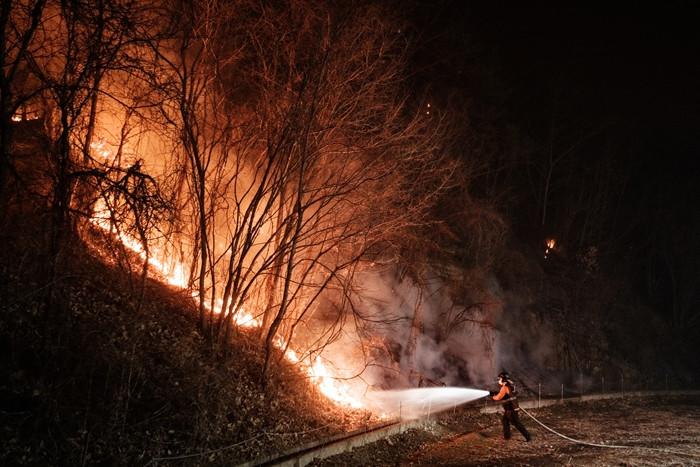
x,y
18,25
55,58
290,149
300,154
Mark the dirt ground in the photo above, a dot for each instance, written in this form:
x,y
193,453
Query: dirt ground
x,y
655,432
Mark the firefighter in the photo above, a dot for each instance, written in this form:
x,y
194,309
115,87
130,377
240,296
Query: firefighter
x,y
510,406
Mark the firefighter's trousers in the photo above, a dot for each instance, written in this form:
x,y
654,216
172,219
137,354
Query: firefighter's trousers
x,y
511,416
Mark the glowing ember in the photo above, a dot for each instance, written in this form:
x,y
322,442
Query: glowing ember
x,y
419,402
551,243
25,115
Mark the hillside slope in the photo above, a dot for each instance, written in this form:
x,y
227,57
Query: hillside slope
x,y
107,378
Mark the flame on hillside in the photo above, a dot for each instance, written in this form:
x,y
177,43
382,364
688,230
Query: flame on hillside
x,y
174,273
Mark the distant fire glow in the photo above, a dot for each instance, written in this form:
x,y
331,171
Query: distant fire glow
x,y
551,244
24,116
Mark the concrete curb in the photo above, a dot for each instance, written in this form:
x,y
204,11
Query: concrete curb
x,y
338,444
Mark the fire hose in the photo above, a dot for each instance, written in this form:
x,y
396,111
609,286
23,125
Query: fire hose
x,y
599,445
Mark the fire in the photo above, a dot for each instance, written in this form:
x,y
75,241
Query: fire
x,y
330,386
99,148
551,244
176,276
24,115
321,376
241,317
173,275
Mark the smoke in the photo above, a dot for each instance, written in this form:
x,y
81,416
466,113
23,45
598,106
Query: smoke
x,y
428,335
528,346
411,336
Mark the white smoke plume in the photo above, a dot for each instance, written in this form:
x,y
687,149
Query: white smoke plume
x,y
449,344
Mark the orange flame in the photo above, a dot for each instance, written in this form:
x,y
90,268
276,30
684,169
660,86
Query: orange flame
x,y
551,243
99,148
331,386
322,377
175,275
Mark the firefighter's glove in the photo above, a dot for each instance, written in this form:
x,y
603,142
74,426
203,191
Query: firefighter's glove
x,y
493,393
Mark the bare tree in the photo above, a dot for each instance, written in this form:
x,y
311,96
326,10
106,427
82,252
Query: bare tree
x,y
299,152
19,21
65,49
302,153
353,142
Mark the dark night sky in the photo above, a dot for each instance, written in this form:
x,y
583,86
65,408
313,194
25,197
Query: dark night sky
x,y
640,65
632,71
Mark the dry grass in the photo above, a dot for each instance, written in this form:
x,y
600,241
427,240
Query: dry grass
x,y
107,379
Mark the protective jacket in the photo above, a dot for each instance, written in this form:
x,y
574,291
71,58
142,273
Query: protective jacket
x,y
506,393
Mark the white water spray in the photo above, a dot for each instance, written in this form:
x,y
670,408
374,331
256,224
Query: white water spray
x,y
418,402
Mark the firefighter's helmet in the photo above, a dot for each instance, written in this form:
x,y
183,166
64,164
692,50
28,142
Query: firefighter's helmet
x,y
504,376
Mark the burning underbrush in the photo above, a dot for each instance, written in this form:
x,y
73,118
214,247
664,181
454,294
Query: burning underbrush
x,y
114,374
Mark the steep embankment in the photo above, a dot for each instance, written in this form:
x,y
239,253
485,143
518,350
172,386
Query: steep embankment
x,y
113,374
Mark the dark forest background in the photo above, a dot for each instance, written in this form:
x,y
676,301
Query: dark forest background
x,y
587,124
